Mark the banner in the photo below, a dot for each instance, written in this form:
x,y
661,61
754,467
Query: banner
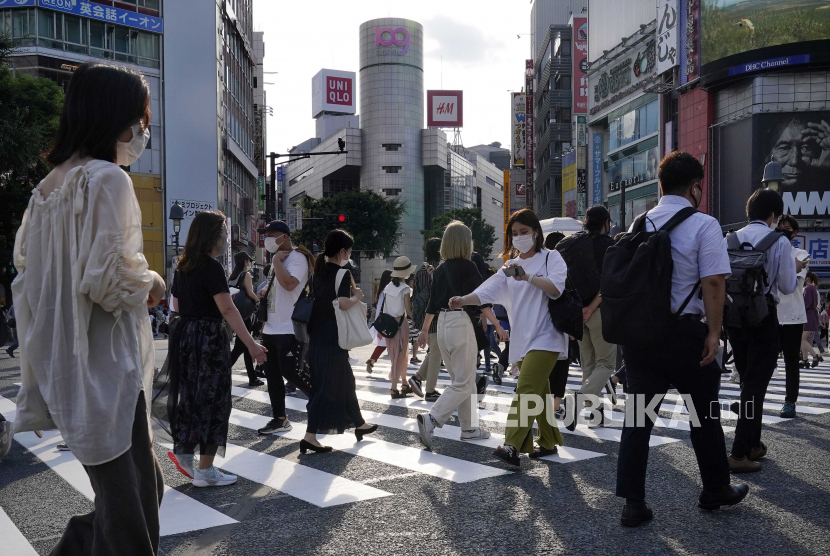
x,y
518,117
667,25
529,131
580,65
597,168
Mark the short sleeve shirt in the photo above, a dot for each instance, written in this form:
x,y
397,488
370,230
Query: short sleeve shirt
x,y
324,295
195,290
281,301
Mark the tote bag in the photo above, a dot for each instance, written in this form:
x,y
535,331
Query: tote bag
x,y
352,331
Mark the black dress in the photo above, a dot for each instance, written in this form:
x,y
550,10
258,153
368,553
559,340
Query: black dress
x,y
199,403
332,407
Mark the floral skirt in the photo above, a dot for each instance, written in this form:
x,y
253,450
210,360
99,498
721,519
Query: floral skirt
x,y
199,402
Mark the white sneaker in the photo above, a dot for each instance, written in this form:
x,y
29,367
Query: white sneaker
x,y
185,463
475,434
212,477
6,430
353,361
426,424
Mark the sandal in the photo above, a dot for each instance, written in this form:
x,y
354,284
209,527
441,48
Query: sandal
x,y
540,452
395,394
405,389
508,454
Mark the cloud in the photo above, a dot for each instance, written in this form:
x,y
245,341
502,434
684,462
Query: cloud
x,y
458,43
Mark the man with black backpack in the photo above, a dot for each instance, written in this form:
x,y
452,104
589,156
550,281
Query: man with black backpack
x,y
763,266
584,253
658,282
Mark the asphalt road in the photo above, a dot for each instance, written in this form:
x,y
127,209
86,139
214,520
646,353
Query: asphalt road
x,y
388,496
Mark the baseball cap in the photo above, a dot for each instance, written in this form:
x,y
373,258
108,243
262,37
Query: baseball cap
x,y
275,226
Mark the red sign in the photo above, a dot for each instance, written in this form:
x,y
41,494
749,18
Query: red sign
x,y
580,65
339,90
445,108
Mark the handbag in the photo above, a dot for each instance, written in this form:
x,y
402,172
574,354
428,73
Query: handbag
x,y
387,325
302,311
352,331
566,310
245,305
262,308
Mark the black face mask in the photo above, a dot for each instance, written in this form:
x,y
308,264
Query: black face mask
x,y
787,233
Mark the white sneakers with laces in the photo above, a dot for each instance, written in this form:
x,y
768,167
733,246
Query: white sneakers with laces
x,y
212,477
475,434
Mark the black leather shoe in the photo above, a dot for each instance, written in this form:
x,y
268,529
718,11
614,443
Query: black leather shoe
x,y
634,516
729,496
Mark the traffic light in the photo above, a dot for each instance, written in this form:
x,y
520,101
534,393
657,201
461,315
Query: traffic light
x,y
336,218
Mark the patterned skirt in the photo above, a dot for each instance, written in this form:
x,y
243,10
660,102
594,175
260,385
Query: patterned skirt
x,y
199,402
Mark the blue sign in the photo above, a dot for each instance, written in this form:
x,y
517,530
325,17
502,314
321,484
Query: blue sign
x,y
279,173
769,64
597,167
17,3
99,12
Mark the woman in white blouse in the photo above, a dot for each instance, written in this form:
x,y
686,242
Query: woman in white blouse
x,y
81,295
534,343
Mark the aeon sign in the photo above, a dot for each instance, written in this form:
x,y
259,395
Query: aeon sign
x,y
386,36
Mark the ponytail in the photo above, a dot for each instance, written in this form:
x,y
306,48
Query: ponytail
x,y
320,265
309,257
396,282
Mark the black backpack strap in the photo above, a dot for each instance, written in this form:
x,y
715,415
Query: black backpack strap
x,y
688,299
768,241
679,217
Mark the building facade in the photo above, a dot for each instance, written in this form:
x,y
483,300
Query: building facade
x,y
213,119
55,37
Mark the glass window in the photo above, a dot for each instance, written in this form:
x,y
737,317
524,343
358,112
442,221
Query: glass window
x,y
122,40
46,24
73,29
628,130
20,23
653,117
566,48
149,4
97,34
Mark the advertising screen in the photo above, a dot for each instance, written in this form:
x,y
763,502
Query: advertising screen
x,y
800,143
730,27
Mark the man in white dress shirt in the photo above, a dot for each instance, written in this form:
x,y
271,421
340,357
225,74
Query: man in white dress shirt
x,y
685,357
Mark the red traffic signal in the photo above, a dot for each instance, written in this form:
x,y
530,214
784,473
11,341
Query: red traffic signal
x,y
336,218
341,218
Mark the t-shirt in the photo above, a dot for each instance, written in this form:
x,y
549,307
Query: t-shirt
x,y
195,290
527,305
281,301
394,299
324,295
455,277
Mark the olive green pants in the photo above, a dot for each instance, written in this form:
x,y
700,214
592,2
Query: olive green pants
x,y
533,387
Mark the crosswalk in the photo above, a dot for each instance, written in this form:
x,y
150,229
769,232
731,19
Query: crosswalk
x,y
449,462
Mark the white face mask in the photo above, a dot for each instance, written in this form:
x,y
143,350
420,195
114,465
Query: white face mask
x,y
271,244
524,243
127,153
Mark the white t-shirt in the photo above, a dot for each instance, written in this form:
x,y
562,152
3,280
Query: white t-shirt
x,y
527,305
394,299
281,301
791,306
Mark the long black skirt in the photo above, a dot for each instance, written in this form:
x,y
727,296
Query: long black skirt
x,y
199,401
332,407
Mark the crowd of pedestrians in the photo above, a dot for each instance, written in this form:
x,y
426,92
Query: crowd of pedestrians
x,y
456,304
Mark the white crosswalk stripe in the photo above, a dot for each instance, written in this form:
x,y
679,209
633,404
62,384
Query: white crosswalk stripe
x,y
14,543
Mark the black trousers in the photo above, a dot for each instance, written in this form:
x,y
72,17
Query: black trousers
x,y
283,359
756,355
239,348
790,335
675,360
559,378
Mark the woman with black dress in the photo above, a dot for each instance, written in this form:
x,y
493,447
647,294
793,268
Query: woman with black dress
x,y
199,402
332,407
241,279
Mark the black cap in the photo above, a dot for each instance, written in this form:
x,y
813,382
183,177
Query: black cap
x,y
275,226
598,213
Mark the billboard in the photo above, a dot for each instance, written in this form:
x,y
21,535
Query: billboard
x,y
569,200
518,116
580,65
667,25
689,40
730,27
529,152
333,91
596,161
800,143
817,244
445,108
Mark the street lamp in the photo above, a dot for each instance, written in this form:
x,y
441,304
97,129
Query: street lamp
x,y
176,215
772,176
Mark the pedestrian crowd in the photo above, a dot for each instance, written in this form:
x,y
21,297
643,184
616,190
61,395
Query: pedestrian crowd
x,y
653,309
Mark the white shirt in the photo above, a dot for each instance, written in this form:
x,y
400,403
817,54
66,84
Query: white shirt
x,y
698,250
394,296
281,301
780,265
527,305
791,308
81,301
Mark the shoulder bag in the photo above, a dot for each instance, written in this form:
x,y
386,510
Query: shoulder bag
x,y
244,304
566,310
352,331
386,325
302,311
262,308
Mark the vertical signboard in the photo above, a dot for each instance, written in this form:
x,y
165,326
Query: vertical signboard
x,y
580,65
569,184
596,159
667,25
529,131
689,40
518,115
280,190
581,131
260,186
229,253
507,189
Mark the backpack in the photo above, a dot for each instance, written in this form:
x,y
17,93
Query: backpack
x,y
578,252
636,284
746,304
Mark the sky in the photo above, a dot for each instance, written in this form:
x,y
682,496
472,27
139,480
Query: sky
x,y
476,38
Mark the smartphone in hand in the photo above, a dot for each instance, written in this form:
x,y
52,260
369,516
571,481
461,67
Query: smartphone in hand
x,y
515,270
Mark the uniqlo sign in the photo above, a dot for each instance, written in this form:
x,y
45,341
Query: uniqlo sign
x,y
333,91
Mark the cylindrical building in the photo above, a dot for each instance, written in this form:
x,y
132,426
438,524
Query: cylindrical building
x,y
391,119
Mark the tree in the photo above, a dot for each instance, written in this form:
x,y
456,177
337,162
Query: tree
x,y
30,109
484,235
373,220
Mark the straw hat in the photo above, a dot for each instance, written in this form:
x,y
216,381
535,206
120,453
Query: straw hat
x,y
403,268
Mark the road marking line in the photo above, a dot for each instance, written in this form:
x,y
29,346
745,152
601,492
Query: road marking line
x,y
14,543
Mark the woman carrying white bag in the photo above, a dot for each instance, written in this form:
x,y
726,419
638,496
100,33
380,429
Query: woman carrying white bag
x,y
397,303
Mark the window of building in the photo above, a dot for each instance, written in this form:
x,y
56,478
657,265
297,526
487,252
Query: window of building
x,y
391,146
391,169
633,125
497,202
392,192
490,180
20,24
301,177
562,83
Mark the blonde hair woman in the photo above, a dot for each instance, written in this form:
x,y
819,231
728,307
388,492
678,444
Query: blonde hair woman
x,y
457,276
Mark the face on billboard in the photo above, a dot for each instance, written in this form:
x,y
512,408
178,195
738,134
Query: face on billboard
x,y
801,145
734,26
